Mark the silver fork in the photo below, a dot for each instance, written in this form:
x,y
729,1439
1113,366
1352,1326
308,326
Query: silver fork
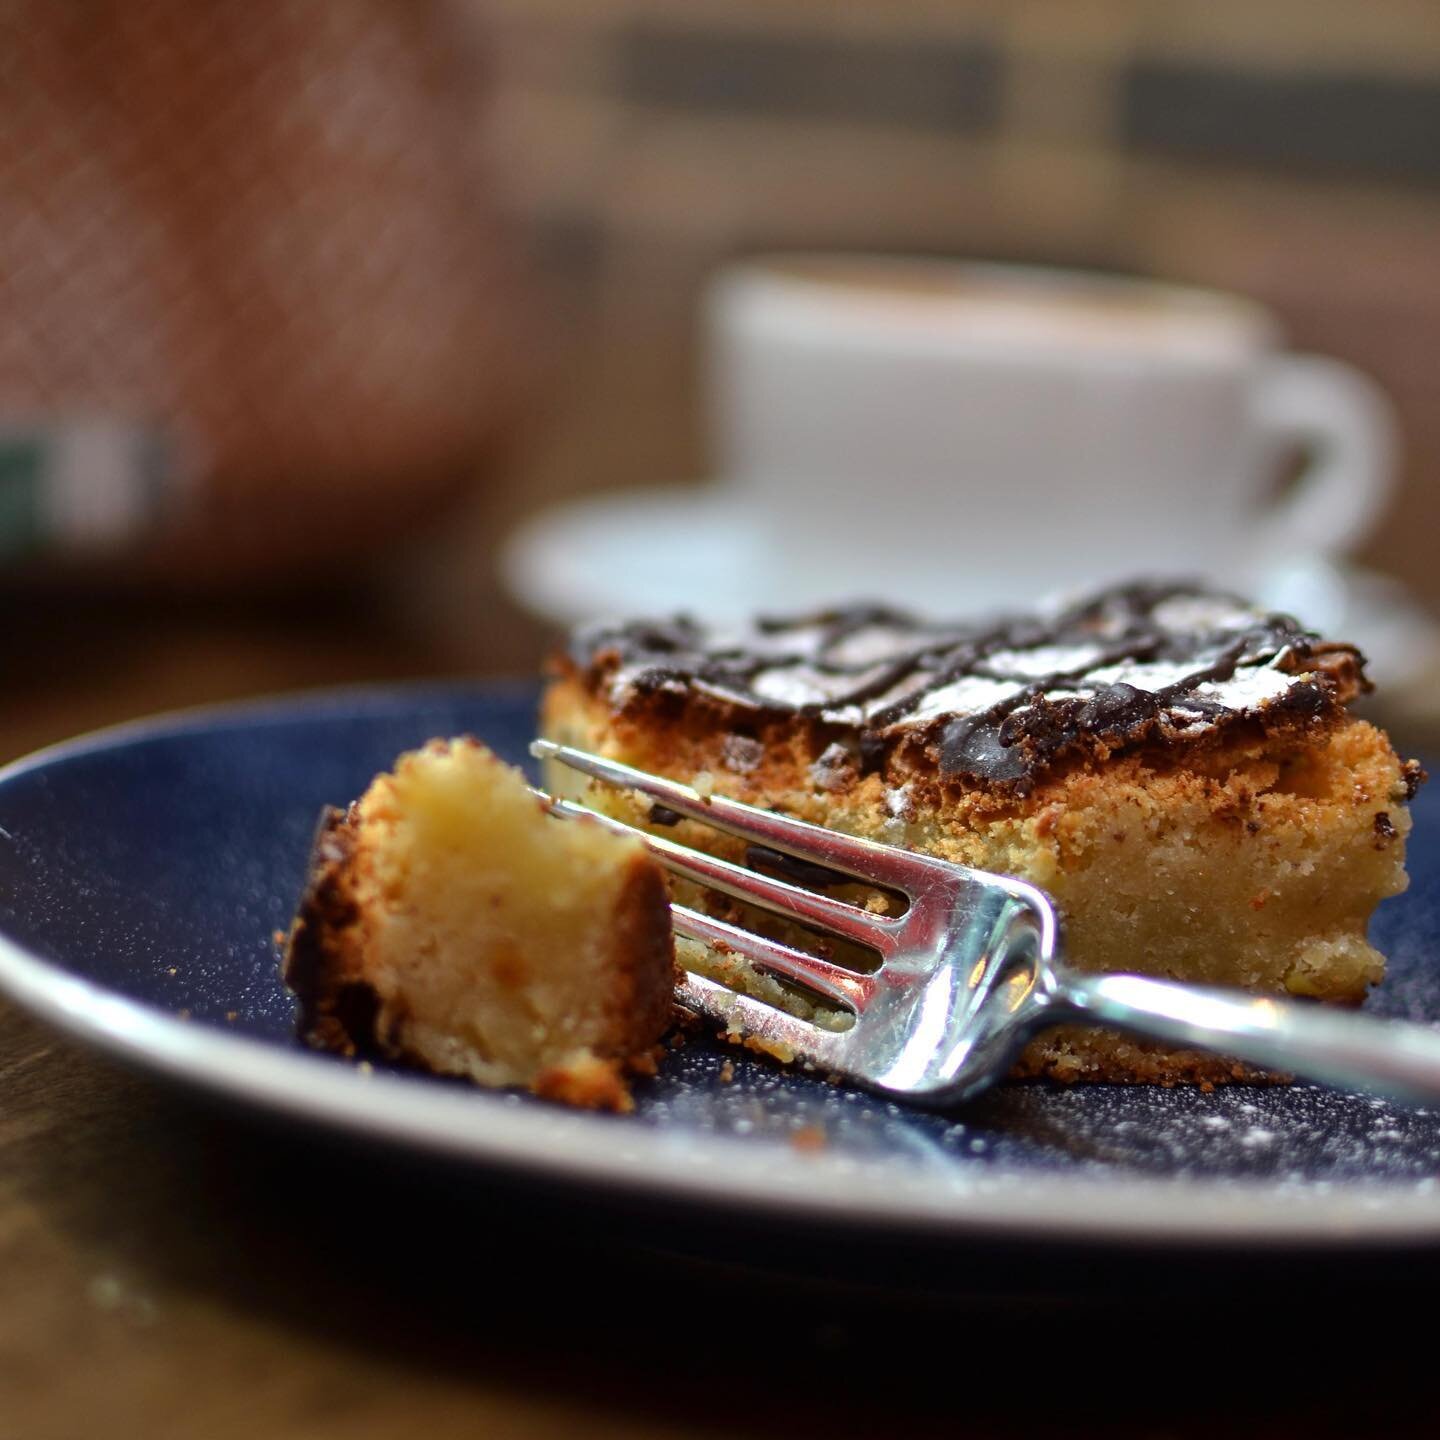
x,y
968,972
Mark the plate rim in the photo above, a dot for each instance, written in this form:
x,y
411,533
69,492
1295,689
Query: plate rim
x,y
518,1134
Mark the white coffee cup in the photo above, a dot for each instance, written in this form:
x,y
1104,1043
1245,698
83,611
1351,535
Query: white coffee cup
x,y
961,435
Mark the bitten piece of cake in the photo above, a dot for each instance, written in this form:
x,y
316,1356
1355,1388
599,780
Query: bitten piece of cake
x,y
451,922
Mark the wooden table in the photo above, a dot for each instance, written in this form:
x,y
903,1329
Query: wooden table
x,y
171,1269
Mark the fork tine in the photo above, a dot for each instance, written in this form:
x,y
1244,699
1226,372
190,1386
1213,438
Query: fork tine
x,y
764,1027
880,864
835,982
806,906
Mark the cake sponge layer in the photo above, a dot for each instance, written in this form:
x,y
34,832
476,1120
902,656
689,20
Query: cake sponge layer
x,y
1254,862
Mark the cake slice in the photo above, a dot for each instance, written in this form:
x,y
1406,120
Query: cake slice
x,y
452,923
1180,772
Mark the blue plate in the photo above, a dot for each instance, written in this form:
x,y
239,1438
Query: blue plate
x,y
145,870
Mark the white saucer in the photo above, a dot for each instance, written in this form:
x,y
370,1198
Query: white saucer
x,y
694,549
639,552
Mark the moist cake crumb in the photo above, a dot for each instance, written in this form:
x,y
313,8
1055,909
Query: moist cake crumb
x,y
452,923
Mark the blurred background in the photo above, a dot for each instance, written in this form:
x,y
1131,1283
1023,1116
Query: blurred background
x,y
304,306
308,308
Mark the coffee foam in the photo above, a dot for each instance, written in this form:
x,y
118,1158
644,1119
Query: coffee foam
x,y
1003,305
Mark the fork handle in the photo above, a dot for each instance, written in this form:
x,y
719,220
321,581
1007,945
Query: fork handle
x,y
1336,1047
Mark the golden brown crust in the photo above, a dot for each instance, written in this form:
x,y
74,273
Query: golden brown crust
x,y
324,962
646,973
588,1084
1225,772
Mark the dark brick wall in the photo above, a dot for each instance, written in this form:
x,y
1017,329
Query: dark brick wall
x,y
1345,123
953,85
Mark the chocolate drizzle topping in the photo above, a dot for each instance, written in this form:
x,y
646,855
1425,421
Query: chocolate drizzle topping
x,y
997,700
